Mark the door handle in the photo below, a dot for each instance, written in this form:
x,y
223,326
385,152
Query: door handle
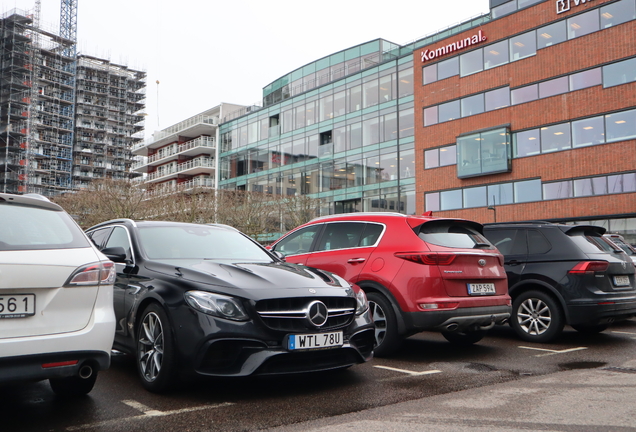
x,y
513,262
356,260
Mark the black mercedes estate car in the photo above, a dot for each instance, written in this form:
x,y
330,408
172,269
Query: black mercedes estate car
x,y
563,274
208,300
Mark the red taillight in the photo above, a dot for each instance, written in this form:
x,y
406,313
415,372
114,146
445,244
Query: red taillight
x,y
428,258
101,273
439,305
60,364
590,267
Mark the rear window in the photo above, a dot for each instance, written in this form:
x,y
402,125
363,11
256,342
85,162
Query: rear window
x,y
32,228
453,234
592,242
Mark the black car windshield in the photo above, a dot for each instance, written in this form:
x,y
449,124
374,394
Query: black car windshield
x,y
34,228
453,234
199,242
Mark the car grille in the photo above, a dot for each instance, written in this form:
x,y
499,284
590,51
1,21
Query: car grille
x,y
289,314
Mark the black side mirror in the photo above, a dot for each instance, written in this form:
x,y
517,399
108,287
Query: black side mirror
x,y
116,254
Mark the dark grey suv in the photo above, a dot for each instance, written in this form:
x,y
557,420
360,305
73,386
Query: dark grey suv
x,y
563,274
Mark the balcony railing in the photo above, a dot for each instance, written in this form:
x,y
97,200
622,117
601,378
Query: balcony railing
x,y
194,163
198,119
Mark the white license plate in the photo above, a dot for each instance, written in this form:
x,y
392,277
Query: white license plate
x,y
17,305
315,341
481,289
621,280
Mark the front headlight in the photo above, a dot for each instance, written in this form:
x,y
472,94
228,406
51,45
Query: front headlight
x,y
217,305
363,304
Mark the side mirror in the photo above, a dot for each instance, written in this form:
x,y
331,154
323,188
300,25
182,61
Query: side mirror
x,y
115,254
279,255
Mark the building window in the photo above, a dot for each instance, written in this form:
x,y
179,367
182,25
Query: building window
x,y
472,105
551,34
555,138
523,46
557,190
448,68
471,62
588,132
618,13
449,111
475,197
500,194
498,98
483,153
585,79
619,73
524,94
583,24
527,143
527,191
496,54
620,126
451,200
553,87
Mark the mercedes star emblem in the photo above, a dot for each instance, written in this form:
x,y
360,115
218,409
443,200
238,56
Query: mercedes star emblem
x,y
317,313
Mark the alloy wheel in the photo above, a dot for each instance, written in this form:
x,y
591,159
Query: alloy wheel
x,y
380,321
151,346
534,316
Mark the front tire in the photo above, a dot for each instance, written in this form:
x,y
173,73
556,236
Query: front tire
x,y
387,339
464,338
536,317
155,350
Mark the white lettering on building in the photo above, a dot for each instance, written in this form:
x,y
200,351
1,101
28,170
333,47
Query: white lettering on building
x,y
566,5
455,46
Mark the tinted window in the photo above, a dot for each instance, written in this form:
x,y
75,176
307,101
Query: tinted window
x,y
371,234
298,242
340,236
453,234
448,68
98,236
119,238
590,242
537,243
508,241
551,34
199,242
29,228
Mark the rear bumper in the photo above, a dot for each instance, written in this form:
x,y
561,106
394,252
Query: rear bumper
x,y
590,313
51,365
461,319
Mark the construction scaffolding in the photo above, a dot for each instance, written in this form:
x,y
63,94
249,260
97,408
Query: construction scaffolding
x,y
36,101
65,120
109,119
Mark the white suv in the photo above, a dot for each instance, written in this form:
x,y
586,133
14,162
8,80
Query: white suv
x,y
56,298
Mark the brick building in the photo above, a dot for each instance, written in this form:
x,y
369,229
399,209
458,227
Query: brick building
x,y
531,116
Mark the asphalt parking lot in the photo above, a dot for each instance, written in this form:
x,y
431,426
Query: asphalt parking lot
x,y
426,367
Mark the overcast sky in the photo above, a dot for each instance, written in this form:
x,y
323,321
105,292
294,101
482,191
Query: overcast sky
x,y
204,52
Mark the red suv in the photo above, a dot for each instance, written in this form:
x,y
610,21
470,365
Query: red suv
x,y
419,272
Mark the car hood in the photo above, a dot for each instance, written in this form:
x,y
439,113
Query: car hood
x,y
246,276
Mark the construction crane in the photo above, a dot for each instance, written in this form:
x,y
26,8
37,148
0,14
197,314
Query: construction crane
x,y
68,30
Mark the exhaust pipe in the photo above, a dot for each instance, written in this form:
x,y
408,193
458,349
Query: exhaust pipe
x,y
86,371
452,327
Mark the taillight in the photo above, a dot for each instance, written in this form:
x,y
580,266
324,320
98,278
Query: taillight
x,y
440,305
428,258
100,273
590,267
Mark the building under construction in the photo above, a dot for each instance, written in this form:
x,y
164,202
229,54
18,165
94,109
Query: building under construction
x,y
64,120
108,120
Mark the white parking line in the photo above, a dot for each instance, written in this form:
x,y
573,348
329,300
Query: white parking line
x,y
408,372
550,352
147,412
621,332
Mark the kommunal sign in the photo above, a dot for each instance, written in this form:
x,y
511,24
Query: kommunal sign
x,y
455,46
